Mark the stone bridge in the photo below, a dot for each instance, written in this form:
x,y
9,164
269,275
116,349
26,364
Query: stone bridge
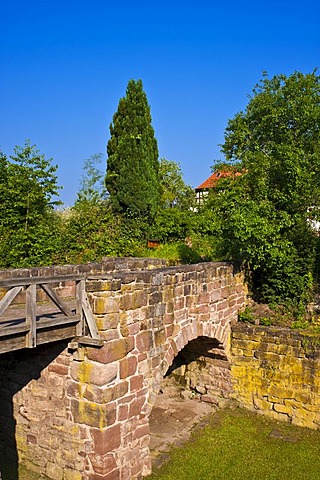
x,y
74,411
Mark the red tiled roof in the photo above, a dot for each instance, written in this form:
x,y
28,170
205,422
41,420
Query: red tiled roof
x,y
215,177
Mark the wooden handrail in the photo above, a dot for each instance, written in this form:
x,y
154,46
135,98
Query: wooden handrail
x,y
11,282
82,318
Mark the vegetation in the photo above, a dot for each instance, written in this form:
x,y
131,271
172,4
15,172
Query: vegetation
x,y
263,219
265,214
173,190
243,446
240,445
132,166
262,216
28,184
92,189
282,316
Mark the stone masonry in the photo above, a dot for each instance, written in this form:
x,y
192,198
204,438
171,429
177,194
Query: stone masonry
x,y
275,371
79,412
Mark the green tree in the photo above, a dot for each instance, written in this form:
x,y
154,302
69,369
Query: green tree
x,y
265,214
174,191
92,187
28,187
174,218
132,166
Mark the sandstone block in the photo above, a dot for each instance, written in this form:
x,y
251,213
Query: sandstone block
x,y
178,304
304,422
222,305
103,304
128,366
280,391
160,337
94,373
155,298
107,321
114,475
93,393
134,300
136,383
123,412
103,464
93,414
135,406
144,341
106,440
111,351
59,369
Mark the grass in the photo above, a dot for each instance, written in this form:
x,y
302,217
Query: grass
x,y
25,474
239,445
10,473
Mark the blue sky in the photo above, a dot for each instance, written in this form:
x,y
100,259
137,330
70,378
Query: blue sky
x,y
65,65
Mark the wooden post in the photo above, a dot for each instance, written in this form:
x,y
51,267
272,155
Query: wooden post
x,y
31,319
91,323
80,289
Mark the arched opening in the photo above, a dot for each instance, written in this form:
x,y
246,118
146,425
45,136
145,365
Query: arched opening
x,y
196,384
202,368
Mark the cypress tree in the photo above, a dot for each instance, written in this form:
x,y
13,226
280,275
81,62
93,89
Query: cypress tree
x,y
132,165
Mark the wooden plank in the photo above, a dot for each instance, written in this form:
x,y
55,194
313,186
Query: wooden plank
x,y
31,338
52,294
9,331
89,316
92,342
57,322
80,289
11,282
17,340
8,298
12,343
64,332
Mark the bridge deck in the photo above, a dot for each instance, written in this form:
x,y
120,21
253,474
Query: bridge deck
x,y
37,322
51,325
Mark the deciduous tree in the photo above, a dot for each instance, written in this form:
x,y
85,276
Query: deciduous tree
x,y
265,213
174,191
28,190
92,188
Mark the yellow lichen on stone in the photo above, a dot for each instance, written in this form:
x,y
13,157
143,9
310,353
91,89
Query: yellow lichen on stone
x,y
71,475
124,330
92,414
84,372
276,376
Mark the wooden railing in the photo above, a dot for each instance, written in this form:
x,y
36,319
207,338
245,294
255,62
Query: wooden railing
x,y
33,323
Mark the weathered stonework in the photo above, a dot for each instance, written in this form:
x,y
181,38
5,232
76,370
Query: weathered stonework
x,y
84,413
276,371
203,368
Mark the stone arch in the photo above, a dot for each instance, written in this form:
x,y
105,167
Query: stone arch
x,y
187,333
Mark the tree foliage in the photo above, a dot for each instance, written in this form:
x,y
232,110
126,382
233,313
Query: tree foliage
x,y
92,187
173,189
265,214
28,186
132,166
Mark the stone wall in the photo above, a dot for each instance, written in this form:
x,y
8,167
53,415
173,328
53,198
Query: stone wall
x,y
276,371
108,267
83,412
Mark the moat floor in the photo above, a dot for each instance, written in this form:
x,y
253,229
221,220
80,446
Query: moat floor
x,y
172,420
